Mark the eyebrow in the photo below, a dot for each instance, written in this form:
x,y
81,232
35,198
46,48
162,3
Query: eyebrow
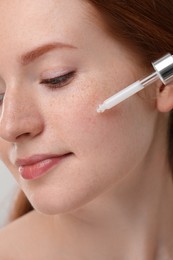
x,y
32,55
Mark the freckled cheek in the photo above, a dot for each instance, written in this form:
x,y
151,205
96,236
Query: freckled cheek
x,y
78,122
83,114
84,126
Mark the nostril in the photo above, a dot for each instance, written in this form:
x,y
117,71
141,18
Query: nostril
x,y
26,134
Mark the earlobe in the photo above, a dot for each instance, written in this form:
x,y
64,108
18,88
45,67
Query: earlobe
x,y
165,98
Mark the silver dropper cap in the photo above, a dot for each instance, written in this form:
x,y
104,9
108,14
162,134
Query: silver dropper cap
x,y
164,68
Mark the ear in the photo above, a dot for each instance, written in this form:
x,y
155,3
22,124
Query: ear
x,y
165,98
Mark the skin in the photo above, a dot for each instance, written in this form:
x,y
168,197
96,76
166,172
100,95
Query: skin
x,y
116,187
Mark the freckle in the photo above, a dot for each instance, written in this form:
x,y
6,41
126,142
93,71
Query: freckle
x,y
91,120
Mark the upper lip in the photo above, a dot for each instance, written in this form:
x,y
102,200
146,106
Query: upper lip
x,y
35,159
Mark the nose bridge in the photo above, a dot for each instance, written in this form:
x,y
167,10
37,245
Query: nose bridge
x,y
20,114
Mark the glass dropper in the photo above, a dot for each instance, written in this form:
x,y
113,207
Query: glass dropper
x,y
163,71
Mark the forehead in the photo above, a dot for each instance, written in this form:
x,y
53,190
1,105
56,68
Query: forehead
x,y
27,21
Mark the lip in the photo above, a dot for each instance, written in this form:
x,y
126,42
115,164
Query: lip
x,y
38,165
35,159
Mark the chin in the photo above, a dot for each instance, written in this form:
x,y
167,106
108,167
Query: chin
x,y
55,204
53,208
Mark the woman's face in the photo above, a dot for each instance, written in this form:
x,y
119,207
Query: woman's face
x,y
39,117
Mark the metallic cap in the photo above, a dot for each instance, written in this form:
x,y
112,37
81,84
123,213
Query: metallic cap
x,y
164,68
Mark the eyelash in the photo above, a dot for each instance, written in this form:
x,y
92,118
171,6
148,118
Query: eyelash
x,y
58,82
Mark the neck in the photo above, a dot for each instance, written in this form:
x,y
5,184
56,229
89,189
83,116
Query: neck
x,y
131,220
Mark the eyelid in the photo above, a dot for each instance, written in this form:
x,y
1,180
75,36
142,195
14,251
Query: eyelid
x,y
61,75
54,73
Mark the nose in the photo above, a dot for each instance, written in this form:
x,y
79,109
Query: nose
x,y
20,116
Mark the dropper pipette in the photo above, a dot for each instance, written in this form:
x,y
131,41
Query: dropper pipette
x,y
163,71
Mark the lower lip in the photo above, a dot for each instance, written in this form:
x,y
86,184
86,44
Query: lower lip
x,y
39,169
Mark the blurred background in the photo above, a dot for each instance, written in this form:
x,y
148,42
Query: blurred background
x,y
8,188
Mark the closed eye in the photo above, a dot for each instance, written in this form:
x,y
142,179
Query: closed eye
x,y
58,82
53,83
